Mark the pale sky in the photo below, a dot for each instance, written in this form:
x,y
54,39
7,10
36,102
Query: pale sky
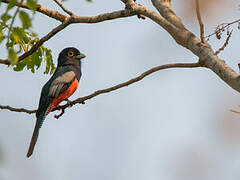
x,y
174,125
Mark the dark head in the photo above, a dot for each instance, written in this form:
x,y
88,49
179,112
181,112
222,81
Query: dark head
x,y
70,56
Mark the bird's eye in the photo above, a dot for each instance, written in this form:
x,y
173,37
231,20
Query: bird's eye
x,y
70,53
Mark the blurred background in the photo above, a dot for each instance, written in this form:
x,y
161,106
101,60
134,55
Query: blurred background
x,y
174,125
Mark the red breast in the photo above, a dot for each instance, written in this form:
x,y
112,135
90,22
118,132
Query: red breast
x,y
66,94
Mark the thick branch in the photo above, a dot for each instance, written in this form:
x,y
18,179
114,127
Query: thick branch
x,y
107,90
165,9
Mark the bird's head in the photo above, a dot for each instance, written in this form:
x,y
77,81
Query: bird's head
x,y
70,56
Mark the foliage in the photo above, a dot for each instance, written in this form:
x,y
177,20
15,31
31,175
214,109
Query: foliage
x,y
20,39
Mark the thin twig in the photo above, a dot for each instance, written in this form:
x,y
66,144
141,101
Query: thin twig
x,y
225,44
82,100
11,25
63,8
18,109
234,111
224,25
200,21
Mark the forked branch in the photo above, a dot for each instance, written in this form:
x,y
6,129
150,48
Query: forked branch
x,y
63,8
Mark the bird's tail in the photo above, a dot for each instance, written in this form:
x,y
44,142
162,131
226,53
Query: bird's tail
x,y
33,140
40,118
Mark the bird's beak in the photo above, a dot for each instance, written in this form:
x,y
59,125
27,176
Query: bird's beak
x,y
80,56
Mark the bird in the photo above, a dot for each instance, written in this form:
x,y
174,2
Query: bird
x,y
58,88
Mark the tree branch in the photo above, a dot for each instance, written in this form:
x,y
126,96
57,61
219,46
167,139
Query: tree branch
x,y
50,13
18,109
104,17
67,21
200,21
165,9
82,100
223,26
204,52
225,44
79,19
40,42
4,61
170,22
63,8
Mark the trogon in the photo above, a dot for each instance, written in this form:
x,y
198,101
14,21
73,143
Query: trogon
x,y
60,87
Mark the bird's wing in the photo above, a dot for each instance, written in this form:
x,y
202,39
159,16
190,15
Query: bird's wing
x,y
55,86
61,84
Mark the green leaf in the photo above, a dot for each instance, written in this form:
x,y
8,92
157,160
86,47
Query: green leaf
x,y
26,21
12,56
32,4
49,62
48,58
37,58
19,66
34,34
53,68
30,64
89,0
11,4
18,34
5,17
34,61
1,37
11,42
